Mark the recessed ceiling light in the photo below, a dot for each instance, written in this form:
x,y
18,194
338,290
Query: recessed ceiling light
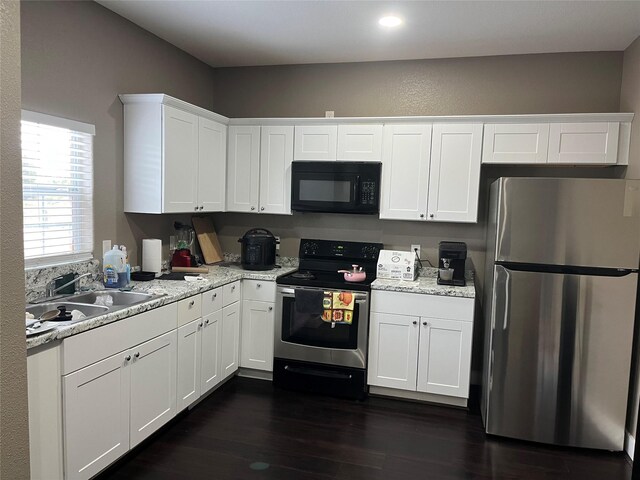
x,y
390,21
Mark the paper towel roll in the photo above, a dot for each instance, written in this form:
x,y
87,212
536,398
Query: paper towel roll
x,y
151,255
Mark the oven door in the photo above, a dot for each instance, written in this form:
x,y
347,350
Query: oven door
x,y
306,337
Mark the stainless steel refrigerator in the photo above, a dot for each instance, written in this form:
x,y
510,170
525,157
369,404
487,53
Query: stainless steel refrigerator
x,y
560,295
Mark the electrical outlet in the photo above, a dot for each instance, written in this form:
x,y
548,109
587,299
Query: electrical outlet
x,y
329,114
277,242
416,248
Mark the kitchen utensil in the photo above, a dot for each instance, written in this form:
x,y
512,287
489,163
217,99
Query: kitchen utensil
x,y
190,269
357,274
208,240
143,276
49,315
445,274
258,249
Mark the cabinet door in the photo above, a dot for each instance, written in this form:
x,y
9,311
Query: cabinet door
x,y
96,416
211,373
276,155
212,165
454,182
405,171
230,333
511,143
189,358
180,161
153,386
315,142
444,357
360,142
243,169
257,335
393,351
584,143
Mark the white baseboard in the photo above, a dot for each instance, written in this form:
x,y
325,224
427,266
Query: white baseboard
x,y
629,444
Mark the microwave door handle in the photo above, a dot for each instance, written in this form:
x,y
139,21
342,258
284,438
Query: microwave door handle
x,y
356,191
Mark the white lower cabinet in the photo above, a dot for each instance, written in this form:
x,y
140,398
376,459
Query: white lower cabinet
x,y
417,350
211,334
114,404
96,415
229,351
189,363
258,320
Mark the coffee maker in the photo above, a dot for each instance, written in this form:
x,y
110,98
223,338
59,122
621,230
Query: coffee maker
x,y
452,257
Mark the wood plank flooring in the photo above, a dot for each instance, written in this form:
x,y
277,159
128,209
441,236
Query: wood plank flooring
x,y
249,430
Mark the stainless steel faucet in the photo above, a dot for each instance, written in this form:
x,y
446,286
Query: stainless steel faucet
x,y
52,289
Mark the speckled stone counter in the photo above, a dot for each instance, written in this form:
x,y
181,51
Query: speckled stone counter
x,y
427,284
172,291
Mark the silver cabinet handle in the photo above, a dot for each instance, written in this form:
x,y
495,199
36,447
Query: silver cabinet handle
x,y
262,209
270,308
201,207
127,358
137,355
422,215
233,287
192,303
425,323
206,322
200,324
253,208
195,208
258,285
214,296
431,215
415,322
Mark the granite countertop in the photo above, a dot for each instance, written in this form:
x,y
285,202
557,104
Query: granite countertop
x,y
172,291
427,284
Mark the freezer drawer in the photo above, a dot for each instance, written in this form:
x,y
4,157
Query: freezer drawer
x,y
560,357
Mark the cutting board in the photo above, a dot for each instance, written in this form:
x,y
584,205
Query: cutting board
x,y
208,240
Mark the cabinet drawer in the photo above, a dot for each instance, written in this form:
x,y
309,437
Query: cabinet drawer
x,y
434,306
211,301
189,309
259,290
230,293
89,347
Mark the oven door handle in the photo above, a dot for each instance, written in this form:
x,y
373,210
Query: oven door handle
x,y
290,293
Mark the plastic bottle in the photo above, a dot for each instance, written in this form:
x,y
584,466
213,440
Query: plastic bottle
x,y
113,268
127,266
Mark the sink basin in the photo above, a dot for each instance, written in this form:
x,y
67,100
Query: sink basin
x,y
88,310
119,298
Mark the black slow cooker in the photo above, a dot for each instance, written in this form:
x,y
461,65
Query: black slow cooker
x,y
258,249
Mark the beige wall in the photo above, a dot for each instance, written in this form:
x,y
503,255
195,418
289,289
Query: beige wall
x,y
14,427
558,83
630,102
76,58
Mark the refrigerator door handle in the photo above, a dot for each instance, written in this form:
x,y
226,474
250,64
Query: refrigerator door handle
x,y
507,290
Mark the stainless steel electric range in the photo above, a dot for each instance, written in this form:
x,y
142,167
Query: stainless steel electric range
x,y
322,320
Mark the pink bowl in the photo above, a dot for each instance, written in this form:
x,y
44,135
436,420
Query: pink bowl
x,y
350,276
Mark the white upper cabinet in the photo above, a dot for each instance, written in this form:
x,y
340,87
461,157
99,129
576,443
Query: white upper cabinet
x,y
514,143
212,162
180,153
454,181
174,156
315,142
584,143
243,169
259,169
405,171
360,142
276,155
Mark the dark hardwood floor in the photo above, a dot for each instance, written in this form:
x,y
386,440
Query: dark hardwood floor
x,y
249,430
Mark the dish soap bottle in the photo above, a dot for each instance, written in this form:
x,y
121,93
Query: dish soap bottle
x,y
113,268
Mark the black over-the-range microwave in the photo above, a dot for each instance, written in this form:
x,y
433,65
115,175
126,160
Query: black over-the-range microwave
x,y
335,187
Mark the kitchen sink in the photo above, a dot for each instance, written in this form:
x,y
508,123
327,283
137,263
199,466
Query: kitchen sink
x,y
119,298
88,310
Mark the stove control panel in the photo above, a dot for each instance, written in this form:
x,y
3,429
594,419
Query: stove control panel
x,y
331,249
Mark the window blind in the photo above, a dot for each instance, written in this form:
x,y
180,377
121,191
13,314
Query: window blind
x,y
57,189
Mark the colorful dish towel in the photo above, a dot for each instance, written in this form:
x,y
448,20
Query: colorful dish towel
x,y
338,307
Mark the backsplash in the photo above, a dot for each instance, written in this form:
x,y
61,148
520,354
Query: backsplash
x,y
36,279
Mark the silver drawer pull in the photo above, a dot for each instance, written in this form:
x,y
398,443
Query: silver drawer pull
x,y
258,285
127,358
192,303
270,308
137,355
206,321
214,296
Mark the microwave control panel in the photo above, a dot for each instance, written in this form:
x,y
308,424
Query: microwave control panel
x,y
368,193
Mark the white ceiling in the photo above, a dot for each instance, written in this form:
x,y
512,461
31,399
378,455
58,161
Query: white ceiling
x,y
238,33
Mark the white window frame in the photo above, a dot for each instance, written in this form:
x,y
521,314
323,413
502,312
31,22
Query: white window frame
x,y
50,120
